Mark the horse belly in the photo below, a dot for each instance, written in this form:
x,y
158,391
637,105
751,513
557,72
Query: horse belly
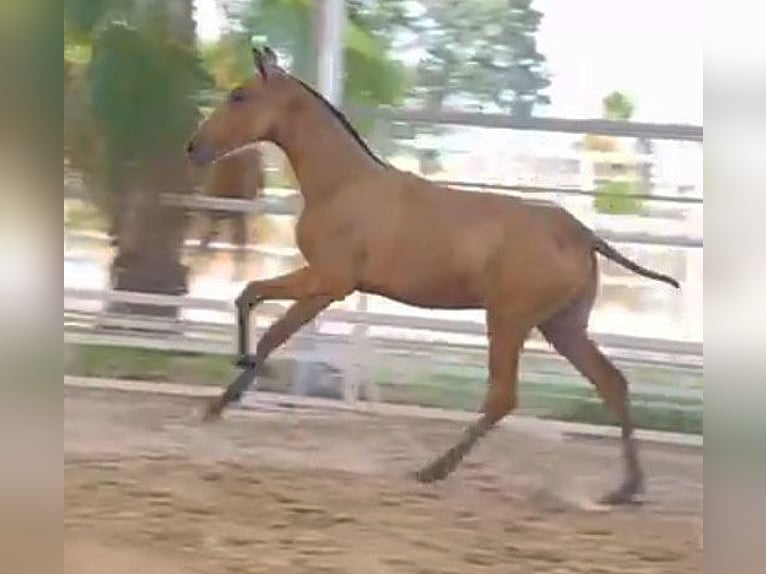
x,y
425,265
443,291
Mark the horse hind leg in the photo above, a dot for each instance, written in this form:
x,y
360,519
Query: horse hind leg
x,y
505,343
567,332
213,221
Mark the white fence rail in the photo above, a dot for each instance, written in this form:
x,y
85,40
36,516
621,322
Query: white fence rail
x,y
290,205
675,132
354,355
691,350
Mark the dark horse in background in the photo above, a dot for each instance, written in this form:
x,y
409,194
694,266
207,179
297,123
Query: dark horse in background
x,y
238,175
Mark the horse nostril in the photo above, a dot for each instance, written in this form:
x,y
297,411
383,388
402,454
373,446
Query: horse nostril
x,y
190,147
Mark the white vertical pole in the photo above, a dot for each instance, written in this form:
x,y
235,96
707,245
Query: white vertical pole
x,y
331,25
331,29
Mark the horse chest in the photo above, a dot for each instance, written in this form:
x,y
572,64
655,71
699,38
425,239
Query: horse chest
x,y
323,238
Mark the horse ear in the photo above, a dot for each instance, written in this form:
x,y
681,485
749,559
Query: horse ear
x,y
263,59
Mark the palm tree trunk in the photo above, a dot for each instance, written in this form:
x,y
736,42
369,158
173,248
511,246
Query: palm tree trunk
x,y
149,239
149,235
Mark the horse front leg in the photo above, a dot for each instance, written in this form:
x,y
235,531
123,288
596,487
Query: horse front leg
x,y
301,284
299,313
312,292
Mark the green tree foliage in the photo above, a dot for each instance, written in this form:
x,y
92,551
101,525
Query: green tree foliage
x,y
476,54
287,26
136,78
617,106
372,77
138,70
480,53
229,60
473,53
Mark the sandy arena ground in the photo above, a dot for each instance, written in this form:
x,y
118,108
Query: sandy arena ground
x,y
149,489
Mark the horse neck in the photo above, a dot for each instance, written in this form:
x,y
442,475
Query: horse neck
x,y
323,155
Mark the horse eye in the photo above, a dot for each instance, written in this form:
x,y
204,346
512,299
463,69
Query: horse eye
x,y
237,95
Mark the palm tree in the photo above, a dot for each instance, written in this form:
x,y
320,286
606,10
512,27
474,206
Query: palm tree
x,y
136,106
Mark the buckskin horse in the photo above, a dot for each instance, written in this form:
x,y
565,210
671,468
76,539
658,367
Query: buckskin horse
x,y
369,227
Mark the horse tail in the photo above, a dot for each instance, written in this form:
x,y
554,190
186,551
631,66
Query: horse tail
x,y
610,252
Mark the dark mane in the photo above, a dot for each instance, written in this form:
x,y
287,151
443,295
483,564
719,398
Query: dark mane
x,y
344,122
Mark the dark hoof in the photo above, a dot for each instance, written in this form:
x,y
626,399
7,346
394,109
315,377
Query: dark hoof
x,y
424,477
430,474
213,411
630,493
618,498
